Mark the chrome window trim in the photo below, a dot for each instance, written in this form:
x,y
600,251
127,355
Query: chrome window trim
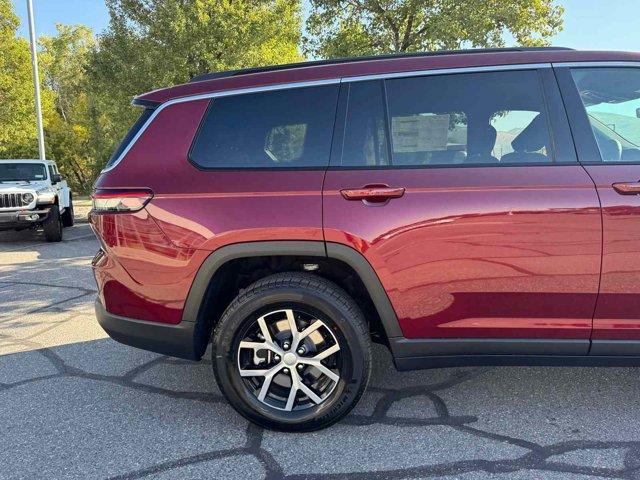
x,y
316,83
613,63
447,71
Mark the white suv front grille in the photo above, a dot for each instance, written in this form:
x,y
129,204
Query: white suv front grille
x,y
12,200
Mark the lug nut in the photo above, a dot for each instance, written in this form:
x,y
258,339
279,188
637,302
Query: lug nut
x,y
300,366
276,358
286,345
286,371
302,351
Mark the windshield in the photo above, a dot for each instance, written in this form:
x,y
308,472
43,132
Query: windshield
x,y
615,131
16,172
619,120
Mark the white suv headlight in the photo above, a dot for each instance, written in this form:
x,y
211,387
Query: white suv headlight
x,y
46,195
27,197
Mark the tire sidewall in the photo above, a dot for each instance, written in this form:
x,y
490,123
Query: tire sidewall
x,y
68,215
353,376
53,227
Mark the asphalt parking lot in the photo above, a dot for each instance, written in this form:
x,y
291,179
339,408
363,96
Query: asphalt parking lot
x,y
75,404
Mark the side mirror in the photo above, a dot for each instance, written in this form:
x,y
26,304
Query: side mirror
x,y
56,178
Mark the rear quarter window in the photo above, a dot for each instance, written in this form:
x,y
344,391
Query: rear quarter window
x,y
276,129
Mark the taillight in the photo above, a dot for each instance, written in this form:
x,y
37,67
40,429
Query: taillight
x,y
120,201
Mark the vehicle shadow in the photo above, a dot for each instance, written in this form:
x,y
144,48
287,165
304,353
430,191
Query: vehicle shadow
x,y
11,240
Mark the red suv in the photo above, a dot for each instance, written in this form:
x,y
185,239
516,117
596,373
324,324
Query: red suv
x,y
462,208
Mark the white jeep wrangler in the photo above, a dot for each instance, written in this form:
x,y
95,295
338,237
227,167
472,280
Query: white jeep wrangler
x,y
33,195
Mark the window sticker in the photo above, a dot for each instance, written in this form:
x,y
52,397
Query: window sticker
x,y
420,133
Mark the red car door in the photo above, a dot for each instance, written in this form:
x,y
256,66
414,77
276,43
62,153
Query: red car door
x,y
604,111
464,193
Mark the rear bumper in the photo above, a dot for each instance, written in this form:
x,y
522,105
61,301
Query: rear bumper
x,y
174,340
21,219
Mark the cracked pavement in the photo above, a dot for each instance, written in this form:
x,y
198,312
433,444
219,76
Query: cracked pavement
x,y
76,404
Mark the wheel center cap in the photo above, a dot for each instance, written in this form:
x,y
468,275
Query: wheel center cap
x,y
290,359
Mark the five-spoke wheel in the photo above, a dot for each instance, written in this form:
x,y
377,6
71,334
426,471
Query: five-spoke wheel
x,y
289,360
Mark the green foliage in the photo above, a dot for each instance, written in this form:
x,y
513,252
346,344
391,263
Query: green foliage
x,y
17,108
154,43
340,28
64,60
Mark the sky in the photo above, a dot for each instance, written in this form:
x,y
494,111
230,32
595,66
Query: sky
x,y
589,24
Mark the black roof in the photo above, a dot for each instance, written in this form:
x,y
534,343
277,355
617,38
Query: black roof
x,y
314,63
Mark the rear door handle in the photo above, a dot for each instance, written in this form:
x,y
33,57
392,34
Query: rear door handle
x,y
373,193
627,188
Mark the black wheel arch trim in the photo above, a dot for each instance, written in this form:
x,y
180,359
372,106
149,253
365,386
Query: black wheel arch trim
x,y
371,282
193,311
217,258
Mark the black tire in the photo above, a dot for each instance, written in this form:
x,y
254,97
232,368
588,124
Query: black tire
x,y
340,316
67,215
53,226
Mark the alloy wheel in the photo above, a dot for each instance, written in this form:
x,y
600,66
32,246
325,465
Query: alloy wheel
x,y
289,360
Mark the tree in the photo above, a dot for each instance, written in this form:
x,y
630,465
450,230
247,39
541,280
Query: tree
x,y
17,107
154,43
64,59
341,28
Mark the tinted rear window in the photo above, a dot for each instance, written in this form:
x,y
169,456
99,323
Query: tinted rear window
x,y
278,129
129,136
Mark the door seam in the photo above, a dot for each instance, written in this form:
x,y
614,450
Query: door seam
x,y
595,186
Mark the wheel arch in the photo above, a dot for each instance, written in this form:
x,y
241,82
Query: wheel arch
x,y
65,197
203,287
372,283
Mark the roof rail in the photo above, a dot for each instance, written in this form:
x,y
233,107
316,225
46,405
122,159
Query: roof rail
x,y
315,63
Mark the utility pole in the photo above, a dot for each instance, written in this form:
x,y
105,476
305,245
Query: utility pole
x,y
36,79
